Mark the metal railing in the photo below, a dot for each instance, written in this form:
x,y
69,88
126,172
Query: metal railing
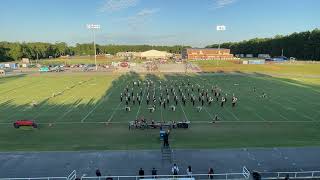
x,y
246,174
291,174
36,178
194,176
71,176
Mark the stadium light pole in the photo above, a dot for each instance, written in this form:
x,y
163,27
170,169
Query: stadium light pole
x,y
94,27
220,28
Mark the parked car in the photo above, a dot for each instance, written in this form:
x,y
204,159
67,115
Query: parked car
x,y
280,58
32,66
20,123
44,69
57,69
89,67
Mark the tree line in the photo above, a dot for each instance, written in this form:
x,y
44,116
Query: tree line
x,y
10,51
303,45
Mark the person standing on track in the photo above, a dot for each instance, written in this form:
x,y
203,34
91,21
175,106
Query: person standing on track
x,y
141,173
175,169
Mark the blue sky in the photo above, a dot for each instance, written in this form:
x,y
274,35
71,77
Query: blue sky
x,y
157,22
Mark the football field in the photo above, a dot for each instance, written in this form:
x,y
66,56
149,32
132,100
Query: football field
x,y
83,111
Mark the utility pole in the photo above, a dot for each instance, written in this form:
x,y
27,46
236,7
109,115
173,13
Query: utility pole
x,y
94,27
220,28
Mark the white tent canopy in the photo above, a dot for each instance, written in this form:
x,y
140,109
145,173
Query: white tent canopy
x,y
154,54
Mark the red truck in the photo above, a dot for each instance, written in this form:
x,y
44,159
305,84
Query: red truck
x,y
20,123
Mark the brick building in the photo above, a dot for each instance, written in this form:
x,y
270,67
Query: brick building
x,y
206,53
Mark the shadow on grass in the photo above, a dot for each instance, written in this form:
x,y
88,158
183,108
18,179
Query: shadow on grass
x,y
11,112
89,136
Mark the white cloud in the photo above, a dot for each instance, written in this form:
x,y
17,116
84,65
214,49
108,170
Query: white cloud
x,y
147,12
141,38
140,18
217,4
116,5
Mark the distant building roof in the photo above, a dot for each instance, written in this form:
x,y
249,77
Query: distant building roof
x,y
155,53
206,48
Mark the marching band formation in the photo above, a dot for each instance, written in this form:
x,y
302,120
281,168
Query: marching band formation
x,y
169,94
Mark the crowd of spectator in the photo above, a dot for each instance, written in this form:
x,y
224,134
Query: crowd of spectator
x,y
176,174
154,173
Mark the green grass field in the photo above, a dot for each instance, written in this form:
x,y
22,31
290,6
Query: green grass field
x,y
274,68
78,105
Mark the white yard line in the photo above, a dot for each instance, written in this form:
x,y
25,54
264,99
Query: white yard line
x,y
283,117
226,108
259,116
292,102
13,90
208,113
4,102
300,113
52,107
144,92
48,98
71,108
97,105
29,99
160,104
183,112
248,108
161,113
298,99
308,117
67,112
233,114
114,111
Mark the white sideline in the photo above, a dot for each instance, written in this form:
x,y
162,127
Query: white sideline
x,y
194,122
